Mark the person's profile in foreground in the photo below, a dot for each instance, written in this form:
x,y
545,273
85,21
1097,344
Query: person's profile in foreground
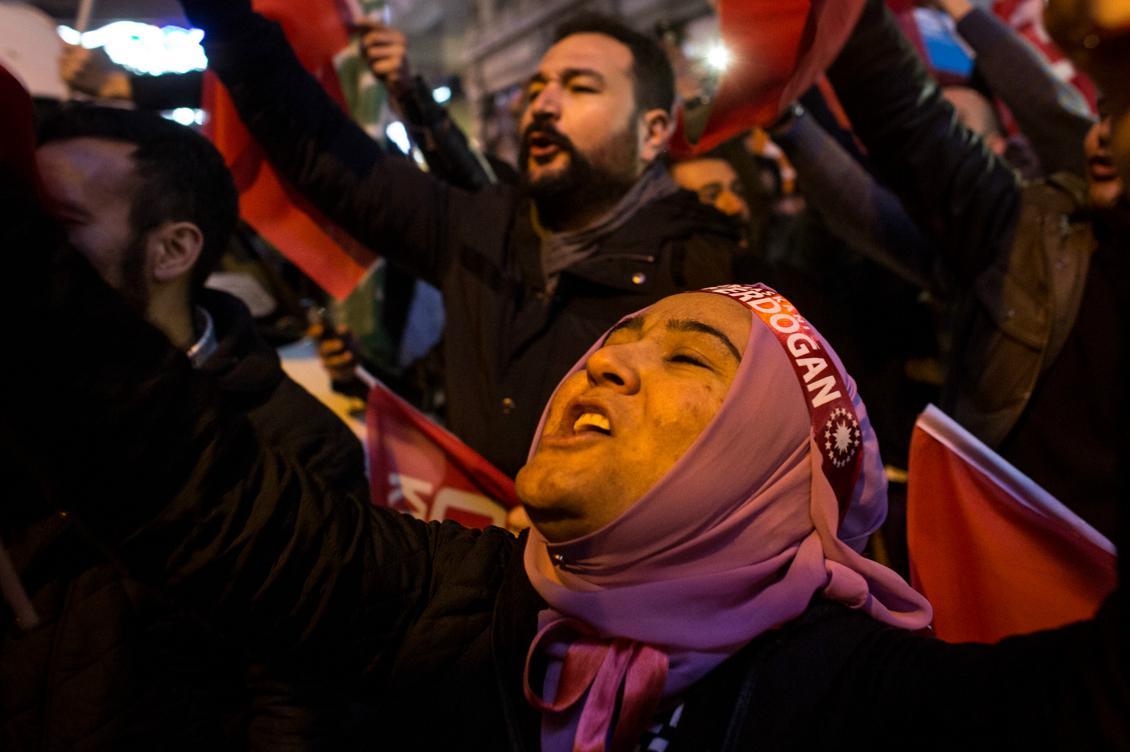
x,y
700,486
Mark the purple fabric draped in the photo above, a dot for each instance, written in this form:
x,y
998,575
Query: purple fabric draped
x,y
734,540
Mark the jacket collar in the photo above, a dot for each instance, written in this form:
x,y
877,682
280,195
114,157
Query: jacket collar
x,y
205,346
626,260
242,361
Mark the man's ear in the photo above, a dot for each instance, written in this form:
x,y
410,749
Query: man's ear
x,y
656,127
174,248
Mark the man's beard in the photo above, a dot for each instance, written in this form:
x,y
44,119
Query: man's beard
x,y
585,182
132,277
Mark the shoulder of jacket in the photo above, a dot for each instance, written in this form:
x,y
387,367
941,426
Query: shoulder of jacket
x,y
1061,192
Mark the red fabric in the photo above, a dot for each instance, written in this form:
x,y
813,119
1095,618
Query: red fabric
x,y
17,132
417,467
334,260
779,49
991,566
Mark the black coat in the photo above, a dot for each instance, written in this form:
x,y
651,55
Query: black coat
x,y
508,341
114,664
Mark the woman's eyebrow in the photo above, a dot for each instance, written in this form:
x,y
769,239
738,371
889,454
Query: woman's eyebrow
x,y
634,324
691,325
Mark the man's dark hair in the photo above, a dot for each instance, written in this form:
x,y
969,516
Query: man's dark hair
x,y
651,70
181,176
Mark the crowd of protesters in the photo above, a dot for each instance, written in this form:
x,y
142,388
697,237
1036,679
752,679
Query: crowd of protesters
x,y
670,355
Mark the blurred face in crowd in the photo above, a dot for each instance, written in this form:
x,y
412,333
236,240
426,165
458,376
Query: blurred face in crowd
x,y
617,426
716,184
90,183
1104,185
581,129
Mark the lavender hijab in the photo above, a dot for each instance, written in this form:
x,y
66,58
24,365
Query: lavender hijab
x,y
733,541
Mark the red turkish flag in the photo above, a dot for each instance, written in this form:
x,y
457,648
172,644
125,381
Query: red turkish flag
x,y
778,49
995,553
415,466
335,261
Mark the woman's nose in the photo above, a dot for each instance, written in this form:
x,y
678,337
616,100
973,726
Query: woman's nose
x,y
614,366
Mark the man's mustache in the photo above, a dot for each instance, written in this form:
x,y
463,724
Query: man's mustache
x,y
549,133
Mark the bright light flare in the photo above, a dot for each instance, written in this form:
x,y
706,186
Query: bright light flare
x,y
718,57
441,94
187,116
143,47
398,134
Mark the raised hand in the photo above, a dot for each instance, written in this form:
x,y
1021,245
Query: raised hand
x,y
385,50
92,72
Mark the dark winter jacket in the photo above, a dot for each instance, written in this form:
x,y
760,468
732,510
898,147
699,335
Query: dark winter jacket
x,y
114,663
508,340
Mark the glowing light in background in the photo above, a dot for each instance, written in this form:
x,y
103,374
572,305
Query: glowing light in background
x,y
398,134
718,57
441,94
144,48
187,116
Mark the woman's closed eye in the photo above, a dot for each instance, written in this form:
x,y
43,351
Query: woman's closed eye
x,y
689,359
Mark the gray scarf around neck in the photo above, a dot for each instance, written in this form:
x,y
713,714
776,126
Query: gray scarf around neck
x,y
560,250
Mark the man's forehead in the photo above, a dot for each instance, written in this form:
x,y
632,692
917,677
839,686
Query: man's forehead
x,y
587,50
89,172
96,157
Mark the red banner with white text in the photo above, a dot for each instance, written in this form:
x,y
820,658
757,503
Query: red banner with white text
x,y
415,466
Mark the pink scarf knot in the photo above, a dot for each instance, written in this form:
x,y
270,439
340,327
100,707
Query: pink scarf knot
x,y
614,672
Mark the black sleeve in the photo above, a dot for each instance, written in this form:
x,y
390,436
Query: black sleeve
x,y
168,91
1051,114
953,187
300,426
853,204
445,148
1063,689
382,200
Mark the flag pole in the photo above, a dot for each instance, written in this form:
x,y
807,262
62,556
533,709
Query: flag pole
x,y
82,17
82,23
365,377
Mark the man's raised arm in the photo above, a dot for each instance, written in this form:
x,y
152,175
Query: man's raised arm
x,y
954,188
1051,114
384,201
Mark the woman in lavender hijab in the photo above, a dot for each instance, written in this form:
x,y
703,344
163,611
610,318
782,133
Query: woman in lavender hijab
x,y
700,488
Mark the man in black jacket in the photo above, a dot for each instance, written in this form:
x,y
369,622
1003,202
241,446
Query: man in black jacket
x,y
113,664
530,274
